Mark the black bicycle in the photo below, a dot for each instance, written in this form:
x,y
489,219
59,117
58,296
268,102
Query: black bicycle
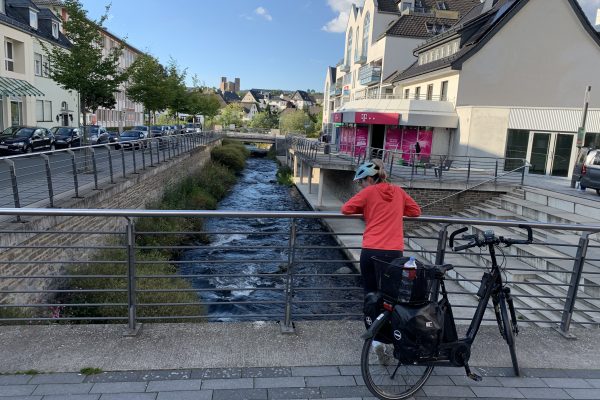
x,y
404,374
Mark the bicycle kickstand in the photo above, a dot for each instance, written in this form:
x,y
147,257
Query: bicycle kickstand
x,y
472,375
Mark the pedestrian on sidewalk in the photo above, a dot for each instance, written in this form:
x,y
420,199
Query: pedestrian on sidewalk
x,y
383,206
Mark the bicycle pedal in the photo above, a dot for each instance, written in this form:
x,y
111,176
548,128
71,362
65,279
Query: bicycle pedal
x,y
475,377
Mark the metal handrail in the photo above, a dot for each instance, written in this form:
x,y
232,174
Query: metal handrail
x,y
292,307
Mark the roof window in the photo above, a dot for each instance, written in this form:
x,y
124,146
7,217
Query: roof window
x,y
33,18
55,30
442,5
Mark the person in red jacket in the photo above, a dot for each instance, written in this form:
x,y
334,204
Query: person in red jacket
x,y
383,207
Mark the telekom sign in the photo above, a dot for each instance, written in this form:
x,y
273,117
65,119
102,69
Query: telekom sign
x,y
337,117
377,118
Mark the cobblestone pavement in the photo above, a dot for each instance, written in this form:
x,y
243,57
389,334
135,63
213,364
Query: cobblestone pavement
x,y
321,382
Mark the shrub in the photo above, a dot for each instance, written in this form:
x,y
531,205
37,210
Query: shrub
x,y
284,175
230,156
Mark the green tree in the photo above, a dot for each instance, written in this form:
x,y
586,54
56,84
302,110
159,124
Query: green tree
x,y
231,115
295,121
175,89
148,84
265,119
82,67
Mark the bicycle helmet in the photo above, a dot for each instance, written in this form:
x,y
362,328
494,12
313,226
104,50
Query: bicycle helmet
x,y
365,170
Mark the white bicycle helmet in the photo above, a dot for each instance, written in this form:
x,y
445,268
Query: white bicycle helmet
x,y
365,170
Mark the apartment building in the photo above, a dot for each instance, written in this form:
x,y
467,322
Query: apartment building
x,y
512,74
380,38
29,95
126,112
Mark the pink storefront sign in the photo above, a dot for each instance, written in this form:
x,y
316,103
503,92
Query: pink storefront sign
x,y
361,140
347,140
393,138
377,118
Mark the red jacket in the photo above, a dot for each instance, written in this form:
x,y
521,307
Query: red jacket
x,y
383,206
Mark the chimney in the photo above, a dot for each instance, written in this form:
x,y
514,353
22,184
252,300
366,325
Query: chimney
x,y
487,5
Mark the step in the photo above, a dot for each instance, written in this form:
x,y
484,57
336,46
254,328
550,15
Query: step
x,y
565,202
543,213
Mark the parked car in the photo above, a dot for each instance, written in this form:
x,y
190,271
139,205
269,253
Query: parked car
x,y
26,139
158,130
142,128
190,128
587,169
96,134
132,139
66,136
113,139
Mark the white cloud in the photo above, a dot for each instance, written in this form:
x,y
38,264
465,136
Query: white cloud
x,y
263,13
342,8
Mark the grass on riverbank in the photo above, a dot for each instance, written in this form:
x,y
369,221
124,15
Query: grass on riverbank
x,y
107,296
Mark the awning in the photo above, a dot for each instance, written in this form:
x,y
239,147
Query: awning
x,y
17,87
552,119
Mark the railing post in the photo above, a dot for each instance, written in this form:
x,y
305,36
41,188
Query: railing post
x,y
163,149
132,327
392,156
151,154
579,261
15,186
49,179
123,161
110,164
75,181
144,146
288,325
158,144
496,174
523,172
94,168
169,146
468,172
133,144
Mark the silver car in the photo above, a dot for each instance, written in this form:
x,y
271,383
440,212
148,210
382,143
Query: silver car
x,y
587,169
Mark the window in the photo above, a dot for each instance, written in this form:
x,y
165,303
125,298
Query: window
x,y
406,93
366,31
444,91
37,64
417,92
55,30
455,47
349,47
430,91
9,62
356,53
43,110
45,66
442,5
33,19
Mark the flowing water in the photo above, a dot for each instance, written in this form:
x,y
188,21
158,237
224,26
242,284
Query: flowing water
x,y
256,251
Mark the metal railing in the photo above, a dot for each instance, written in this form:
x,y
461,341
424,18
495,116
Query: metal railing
x,y
409,167
38,274
40,179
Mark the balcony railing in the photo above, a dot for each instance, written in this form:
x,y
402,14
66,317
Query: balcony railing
x,y
335,91
369,74
345,68
360,59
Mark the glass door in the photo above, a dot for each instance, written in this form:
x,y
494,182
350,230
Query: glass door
x,y
16,113
562,155
539,153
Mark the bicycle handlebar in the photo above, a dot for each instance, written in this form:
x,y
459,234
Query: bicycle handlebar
x,y
488,238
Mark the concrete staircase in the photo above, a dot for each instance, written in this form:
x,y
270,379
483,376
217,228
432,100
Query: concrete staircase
x,y
541,272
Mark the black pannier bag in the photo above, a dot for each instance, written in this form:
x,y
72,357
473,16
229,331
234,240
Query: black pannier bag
x,y
372,309
396,287
417,330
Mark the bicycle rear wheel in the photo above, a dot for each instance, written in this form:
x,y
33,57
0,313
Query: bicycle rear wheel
x,y
509,335
391,382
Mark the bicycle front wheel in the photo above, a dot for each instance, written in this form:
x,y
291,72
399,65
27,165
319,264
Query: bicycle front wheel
x,y
509,335
387,378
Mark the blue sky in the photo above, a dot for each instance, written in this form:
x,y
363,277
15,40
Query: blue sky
x,y
275,44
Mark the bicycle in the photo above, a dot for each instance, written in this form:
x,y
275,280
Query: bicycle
x,y
403,380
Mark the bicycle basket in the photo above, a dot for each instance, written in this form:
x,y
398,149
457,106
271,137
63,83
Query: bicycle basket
x,y
404,285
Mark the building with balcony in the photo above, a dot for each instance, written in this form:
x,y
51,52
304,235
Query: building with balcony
x,y
29,95
514,73
360,103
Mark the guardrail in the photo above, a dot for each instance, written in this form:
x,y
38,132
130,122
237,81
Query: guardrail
x,y
39,178
302,284
411,167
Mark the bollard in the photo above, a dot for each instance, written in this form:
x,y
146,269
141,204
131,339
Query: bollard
x,y
110,164
567,315
288,326
75,180
49,179
15,187
132,327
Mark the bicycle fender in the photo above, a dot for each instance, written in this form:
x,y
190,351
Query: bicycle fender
x,y
383,317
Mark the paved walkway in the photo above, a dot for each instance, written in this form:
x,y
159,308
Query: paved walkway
x,y
322,382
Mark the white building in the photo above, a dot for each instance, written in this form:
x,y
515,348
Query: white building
x,y
379,41
514,78
29,96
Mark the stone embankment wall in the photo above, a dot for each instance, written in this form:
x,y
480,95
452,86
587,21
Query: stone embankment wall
x,y
341,185
135,192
